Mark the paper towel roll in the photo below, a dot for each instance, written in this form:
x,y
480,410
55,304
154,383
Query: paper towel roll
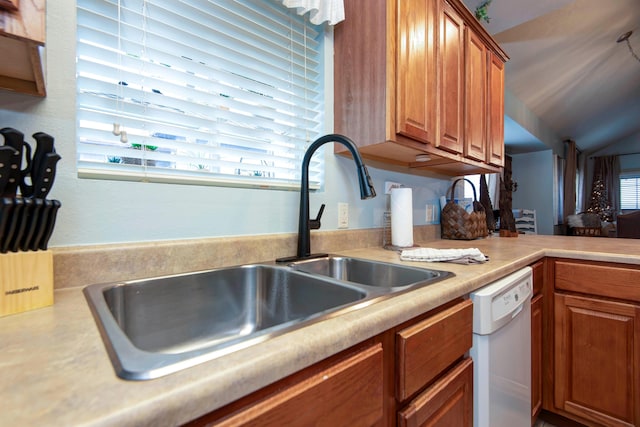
x,y
401,217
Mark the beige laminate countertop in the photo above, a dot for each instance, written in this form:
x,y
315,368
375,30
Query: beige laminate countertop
x,y
54,369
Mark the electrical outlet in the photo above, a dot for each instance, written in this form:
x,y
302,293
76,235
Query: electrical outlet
x,y
388,185
429,214
343,215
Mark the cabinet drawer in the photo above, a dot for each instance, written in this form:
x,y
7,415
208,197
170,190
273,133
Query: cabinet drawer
x,y
448,402
607,280
538,276
348,392
427,348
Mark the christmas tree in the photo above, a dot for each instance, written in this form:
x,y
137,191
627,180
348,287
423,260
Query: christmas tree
x,y
599,203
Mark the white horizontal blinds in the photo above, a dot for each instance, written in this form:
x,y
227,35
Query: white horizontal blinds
x,y
630,190
208,91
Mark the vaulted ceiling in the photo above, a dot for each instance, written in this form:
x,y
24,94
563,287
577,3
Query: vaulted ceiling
x,y
568,69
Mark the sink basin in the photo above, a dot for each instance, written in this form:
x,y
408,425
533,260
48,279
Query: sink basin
x,y
392,277
156,326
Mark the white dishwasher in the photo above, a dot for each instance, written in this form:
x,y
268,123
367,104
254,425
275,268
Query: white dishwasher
x,y
501,352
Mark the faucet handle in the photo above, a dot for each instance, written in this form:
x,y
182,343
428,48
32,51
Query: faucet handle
x,y
314,224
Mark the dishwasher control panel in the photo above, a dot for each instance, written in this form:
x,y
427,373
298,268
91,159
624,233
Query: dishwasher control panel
x,y
510,301
496,304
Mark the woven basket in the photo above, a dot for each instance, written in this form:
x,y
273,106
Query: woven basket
x,y
458,224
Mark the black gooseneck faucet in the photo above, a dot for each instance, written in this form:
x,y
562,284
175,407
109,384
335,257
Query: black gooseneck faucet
x,y
304,223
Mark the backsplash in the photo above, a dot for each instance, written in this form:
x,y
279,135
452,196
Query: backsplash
x,y
85,265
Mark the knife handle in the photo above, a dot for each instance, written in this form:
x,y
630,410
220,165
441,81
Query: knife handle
x,y
46,176
26,190
21,224
41,225
6,209
51,222
32,224
15,140
12,225
6,157
44,146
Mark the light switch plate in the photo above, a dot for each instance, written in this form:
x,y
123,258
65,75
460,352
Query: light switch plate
x,y
343,215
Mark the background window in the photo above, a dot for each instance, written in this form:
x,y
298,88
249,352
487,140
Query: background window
x,y
211,92
630,190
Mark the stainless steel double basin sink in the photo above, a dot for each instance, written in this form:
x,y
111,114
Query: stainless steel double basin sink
x,y
153,327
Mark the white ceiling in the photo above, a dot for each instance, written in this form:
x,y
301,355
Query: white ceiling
x,y
567,68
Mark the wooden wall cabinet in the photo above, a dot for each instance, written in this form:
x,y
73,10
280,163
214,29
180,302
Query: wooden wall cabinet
x,y
413,77
415,373
596,339
476,96
22,38
495,110
451,88
416,82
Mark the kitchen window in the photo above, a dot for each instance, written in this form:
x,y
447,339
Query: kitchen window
x,y
198,92
630,190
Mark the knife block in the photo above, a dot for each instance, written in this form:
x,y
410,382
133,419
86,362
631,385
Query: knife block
x,y
26,281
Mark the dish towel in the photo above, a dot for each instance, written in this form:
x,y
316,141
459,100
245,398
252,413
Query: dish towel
x,y
459,256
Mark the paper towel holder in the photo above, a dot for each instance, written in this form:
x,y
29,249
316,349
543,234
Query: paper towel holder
x,y
386,235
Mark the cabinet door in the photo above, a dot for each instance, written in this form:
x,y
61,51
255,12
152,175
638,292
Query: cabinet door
x,y
597,360
451,75
429,347
495,113
447,403
348,393
22,35
26,25
416,79
536,357
476,89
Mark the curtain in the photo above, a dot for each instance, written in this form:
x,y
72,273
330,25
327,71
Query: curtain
x,y
605,187
581,186
569,200
331,11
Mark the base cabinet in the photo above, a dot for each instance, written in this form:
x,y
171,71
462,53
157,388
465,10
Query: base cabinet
x,y
347,392
596,343
417,373
434,379
448,402
537,324
597,359
536,357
